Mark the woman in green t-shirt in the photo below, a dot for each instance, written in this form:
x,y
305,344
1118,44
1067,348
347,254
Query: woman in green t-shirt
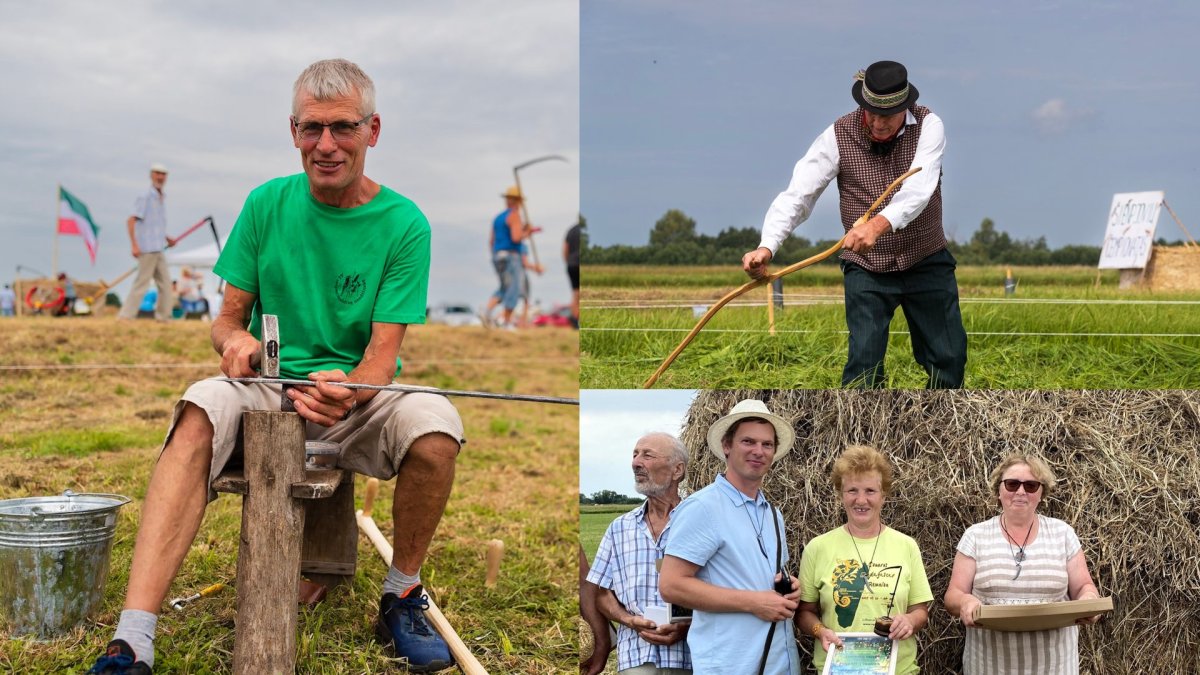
x,y
863,570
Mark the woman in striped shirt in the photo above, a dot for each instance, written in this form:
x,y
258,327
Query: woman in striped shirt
x,y
1019,557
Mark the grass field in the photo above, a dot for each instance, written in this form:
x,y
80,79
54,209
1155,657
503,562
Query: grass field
x,y
594,520
1064,328
85,403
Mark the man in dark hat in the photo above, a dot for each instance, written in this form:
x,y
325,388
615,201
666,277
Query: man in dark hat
x,y
897,258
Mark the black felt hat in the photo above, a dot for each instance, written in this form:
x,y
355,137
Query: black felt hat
x,y
883,88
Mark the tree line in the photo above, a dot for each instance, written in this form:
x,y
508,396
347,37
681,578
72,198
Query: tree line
x,y
674,241
608,497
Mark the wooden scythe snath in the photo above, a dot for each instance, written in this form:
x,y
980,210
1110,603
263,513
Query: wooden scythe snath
x,y
751,285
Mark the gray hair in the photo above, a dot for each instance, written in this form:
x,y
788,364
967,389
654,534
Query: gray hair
x,y
679,451
334,78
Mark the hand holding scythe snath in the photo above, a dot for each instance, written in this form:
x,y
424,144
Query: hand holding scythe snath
x,y
751,285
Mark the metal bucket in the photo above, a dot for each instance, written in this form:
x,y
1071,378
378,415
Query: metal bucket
x,y
54,554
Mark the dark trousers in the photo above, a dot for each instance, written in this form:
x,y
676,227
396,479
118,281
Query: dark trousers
x,y
928,294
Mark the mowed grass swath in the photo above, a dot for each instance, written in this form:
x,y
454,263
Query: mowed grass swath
x,y
1065,327
98,430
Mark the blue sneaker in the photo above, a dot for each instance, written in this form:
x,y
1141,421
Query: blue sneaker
x,y
118,660
402,625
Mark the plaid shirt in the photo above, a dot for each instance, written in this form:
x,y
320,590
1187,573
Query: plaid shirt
x,y
625,564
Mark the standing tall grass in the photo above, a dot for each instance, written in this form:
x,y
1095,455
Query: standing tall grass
x,y
1060,331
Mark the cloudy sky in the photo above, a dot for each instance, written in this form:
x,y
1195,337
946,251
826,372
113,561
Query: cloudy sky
x,y
1050,107
466,90
611,421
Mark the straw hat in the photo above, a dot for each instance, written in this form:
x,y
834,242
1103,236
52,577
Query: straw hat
x,y
512,192
784,434
158,168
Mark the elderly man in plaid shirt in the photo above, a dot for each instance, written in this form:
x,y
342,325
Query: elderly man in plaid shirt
x,y
627,563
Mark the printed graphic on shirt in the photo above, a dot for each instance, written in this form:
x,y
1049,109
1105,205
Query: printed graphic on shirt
x,y
350,288
852,584
849,580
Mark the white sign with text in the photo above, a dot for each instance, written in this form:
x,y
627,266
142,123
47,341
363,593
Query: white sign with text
x,y
1130,233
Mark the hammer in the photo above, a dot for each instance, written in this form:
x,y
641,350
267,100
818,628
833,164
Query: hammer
x,y
178,603
268,358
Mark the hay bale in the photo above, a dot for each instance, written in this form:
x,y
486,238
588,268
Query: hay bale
x,y
1173,268
1129,483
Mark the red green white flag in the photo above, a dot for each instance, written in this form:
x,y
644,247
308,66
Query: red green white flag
x,y
74,218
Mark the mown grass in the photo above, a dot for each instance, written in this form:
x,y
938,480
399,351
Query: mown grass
x,y
98,430
594,520
1012,344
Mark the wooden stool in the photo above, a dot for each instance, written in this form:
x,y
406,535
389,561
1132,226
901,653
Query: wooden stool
x,y
293,521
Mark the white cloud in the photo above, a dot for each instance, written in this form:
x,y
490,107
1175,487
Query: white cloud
x,y
1055,117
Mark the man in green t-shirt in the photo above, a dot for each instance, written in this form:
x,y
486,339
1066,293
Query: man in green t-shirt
x,y
344,264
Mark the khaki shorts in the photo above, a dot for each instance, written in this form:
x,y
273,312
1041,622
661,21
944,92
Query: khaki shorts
x,y
373,440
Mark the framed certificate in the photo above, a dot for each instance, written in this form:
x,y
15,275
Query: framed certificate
x,y
862,654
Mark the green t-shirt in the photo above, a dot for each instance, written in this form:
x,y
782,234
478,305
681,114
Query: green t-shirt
x,y
830,575
327,273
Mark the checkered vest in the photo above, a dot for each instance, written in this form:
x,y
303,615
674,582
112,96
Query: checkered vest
x,y
862,177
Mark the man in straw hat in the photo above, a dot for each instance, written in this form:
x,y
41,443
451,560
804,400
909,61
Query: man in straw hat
x,y
363,254
728,552
897,258
506,239
626,564
148,243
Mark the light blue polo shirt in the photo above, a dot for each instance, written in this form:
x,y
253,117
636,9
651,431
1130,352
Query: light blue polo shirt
x,y
151,228
720,529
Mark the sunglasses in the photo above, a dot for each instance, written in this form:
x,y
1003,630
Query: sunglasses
x,y
1031,486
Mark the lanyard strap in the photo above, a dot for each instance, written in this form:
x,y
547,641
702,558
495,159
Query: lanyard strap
x,y
762,664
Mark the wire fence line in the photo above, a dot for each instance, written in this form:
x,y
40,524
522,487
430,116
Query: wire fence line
x,y
134,366
814,299
894,332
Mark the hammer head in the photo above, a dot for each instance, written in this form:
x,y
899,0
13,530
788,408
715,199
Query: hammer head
x,y
269,346
269,357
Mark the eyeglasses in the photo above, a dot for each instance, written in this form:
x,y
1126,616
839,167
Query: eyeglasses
x,y
342,131
1031,486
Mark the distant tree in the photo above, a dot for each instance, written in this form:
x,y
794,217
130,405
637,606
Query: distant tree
x,y
739,239
612,497
584,499
674,227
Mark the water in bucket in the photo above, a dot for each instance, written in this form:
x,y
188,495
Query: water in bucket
x,y
54,553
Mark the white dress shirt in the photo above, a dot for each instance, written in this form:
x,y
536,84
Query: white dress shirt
x,y
819,166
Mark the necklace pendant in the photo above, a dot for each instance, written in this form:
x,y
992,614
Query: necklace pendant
x,y
1020,556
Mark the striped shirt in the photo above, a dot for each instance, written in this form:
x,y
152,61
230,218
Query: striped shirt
x,y
627,564
151,227
1043,579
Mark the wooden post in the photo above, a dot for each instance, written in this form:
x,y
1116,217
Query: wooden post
x,y
1180,223
269,555
771,308
495,551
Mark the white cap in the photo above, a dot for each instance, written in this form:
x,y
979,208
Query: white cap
x,y
156,167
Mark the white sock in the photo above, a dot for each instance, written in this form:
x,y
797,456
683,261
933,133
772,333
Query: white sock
x,y
398,582
137,628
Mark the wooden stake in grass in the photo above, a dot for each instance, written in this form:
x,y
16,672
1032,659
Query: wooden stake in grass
x,y
771,308
466,660
495,551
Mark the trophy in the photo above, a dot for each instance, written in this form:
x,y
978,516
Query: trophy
x,y
883,624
